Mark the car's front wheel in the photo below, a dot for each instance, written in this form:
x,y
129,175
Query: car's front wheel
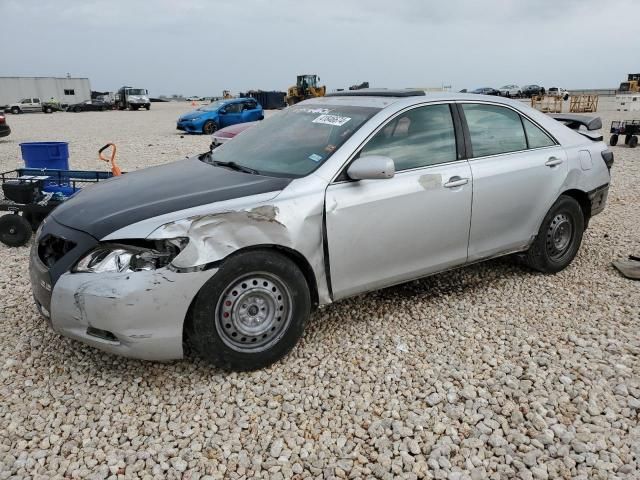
x,y
251,312
15,110
559,237
209,127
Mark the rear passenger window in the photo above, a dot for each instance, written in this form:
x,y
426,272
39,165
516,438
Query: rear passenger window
x,y
420,137
536,137
494,129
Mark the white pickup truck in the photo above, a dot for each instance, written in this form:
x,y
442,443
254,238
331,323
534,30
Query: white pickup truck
x,y
32,104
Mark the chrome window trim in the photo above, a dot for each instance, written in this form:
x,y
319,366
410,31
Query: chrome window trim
x,y
356,151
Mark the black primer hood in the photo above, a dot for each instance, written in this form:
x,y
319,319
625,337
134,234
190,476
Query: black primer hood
x,y
109,205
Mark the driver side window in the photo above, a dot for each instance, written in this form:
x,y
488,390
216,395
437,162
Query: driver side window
x,y
417,138
233,108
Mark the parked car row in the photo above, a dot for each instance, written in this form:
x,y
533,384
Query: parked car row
x,y
34,104
515,91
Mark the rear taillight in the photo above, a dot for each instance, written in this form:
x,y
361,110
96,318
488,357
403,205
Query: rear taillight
x,y
1,118
607,156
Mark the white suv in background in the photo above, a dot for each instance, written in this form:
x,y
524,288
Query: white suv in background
x,y
558,92
510,91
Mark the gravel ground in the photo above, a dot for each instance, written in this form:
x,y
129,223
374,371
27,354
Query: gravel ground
x,y
490,371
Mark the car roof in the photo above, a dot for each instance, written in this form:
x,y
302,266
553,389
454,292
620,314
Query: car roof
x,y
378,101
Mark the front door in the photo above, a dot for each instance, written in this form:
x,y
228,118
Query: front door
x,y
383,232
518,172
232,115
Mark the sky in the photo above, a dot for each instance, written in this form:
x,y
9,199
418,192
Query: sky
x,y
201,47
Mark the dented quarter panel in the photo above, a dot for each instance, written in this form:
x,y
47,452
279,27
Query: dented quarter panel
x,y
145,310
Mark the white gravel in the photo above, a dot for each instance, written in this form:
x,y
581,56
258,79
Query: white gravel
x,y
490,371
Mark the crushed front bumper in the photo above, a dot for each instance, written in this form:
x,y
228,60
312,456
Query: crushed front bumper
x,y
137,314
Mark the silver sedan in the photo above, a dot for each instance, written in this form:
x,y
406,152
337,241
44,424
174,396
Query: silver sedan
x,y
227,253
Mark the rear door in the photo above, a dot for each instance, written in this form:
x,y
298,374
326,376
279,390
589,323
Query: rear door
x,y
27,105
250,111
518,172
383,232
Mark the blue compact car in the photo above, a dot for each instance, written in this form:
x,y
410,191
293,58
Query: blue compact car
x,y
222,113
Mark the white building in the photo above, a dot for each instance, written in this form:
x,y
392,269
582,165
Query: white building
x,y
63,89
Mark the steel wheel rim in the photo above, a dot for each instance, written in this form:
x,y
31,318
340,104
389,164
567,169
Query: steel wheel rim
x,y
559,236
254,312
209,128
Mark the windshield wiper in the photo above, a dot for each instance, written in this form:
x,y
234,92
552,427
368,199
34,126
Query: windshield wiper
x,y
236,166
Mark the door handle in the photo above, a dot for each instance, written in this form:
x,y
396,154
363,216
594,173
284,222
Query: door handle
x,y
456,182
553,161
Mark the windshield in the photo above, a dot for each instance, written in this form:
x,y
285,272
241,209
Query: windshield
x,y
212,106
136,91
294,142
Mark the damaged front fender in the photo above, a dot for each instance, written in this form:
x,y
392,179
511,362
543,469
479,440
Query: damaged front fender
x,y
293,220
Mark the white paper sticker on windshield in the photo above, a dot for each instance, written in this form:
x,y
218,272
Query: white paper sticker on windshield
x,y
336,120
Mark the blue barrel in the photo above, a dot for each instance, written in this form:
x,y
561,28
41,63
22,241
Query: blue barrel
x,y
54,155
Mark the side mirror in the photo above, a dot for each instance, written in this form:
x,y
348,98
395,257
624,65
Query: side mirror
x,y
372,167
222,111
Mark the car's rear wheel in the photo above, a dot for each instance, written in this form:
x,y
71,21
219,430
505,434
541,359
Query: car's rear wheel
x,y
48,110
209,127
613,141
559,237
251,313
633,141
15,231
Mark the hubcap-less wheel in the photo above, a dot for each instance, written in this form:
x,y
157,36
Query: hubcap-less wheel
x,y
253,313
208,128
559,236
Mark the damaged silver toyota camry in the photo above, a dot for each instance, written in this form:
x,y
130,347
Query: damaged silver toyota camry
x,y
226,254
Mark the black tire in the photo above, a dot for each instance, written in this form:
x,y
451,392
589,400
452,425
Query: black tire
x,y
633,141
613,141
559,237
626,139
103,109
15,231
209,127
15,110
215,328
48,110
148,107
